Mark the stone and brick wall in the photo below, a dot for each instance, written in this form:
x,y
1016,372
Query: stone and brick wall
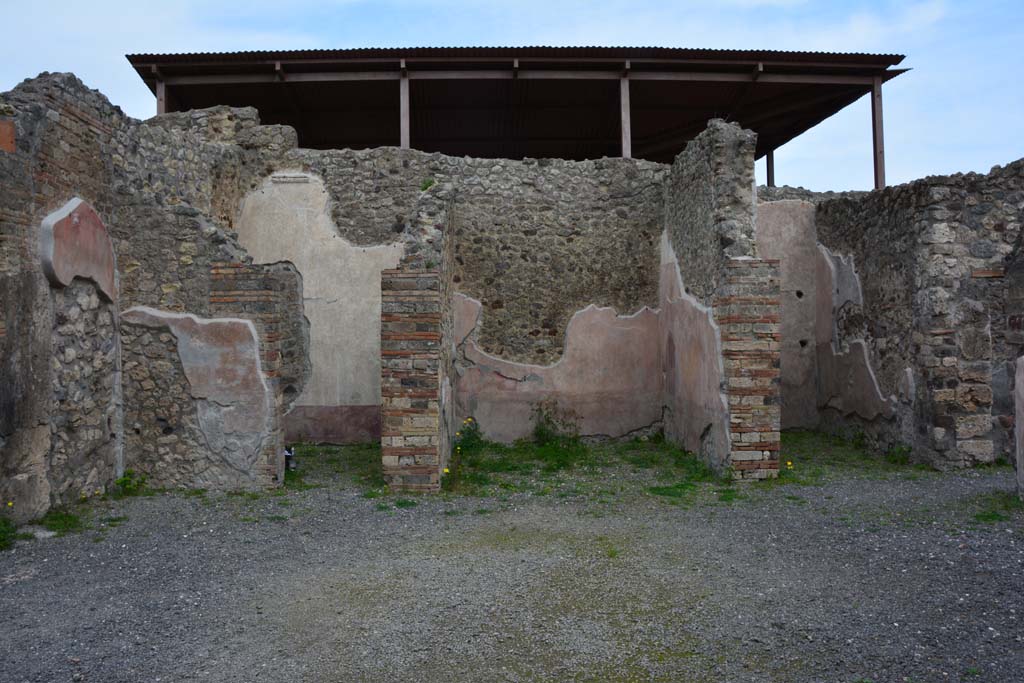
x,y
938,314
411,376
710,230
746,309
270,296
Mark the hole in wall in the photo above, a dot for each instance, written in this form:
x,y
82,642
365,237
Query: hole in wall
x,y
803,343
165,426
799,294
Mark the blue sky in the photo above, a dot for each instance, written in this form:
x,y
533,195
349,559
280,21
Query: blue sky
x,y
960,109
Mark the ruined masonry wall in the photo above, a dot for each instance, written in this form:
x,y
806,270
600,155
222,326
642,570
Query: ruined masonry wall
x,y
536,240
710,227
937,304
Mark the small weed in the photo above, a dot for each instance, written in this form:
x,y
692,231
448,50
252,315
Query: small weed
x,y
373,493
62,522
249,519
405,503
728,495
972,671
381,507
427,184
8,533
129,484
247,495
482,511
452,513
194,493
114,521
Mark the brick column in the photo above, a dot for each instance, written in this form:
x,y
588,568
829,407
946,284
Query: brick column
x,y
410,333
746,309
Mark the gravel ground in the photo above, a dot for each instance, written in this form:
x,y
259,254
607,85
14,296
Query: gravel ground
x,y
857,578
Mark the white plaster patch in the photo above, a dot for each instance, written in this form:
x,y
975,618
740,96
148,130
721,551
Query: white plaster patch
x,y
288,218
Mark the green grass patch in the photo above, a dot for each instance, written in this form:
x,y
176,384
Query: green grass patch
x,y
997,506
811,458
358,464
277,518
61,521
405,503
381,507
8,533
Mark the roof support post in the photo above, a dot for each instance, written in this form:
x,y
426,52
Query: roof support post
x,y
877,134
627,132
769,160
161,97
403,107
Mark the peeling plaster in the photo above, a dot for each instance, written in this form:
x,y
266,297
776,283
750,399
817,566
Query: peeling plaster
x,y
608,377
288,217
221,361
846,379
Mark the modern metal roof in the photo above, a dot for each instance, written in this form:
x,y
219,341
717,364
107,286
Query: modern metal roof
x,y
537,101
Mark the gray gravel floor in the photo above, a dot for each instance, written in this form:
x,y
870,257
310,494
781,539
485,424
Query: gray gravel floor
x,y
860,579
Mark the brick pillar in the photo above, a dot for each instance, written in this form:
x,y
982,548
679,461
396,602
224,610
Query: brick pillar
x,y
410,334
746,309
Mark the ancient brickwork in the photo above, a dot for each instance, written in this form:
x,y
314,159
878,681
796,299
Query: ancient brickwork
x,y
411,428
271,297
746,309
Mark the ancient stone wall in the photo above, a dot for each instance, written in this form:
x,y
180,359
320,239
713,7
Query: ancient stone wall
x,y
537,240
709,205
934,261
199,409
163,189
710,232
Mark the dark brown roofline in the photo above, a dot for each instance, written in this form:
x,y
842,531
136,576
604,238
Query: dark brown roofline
x,y
638,54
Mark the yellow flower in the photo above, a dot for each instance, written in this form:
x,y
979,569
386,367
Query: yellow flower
x,y
458,433
446,470
10,503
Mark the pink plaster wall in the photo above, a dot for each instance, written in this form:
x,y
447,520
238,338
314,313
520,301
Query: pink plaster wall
x,y
609,377
696,409
73,242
